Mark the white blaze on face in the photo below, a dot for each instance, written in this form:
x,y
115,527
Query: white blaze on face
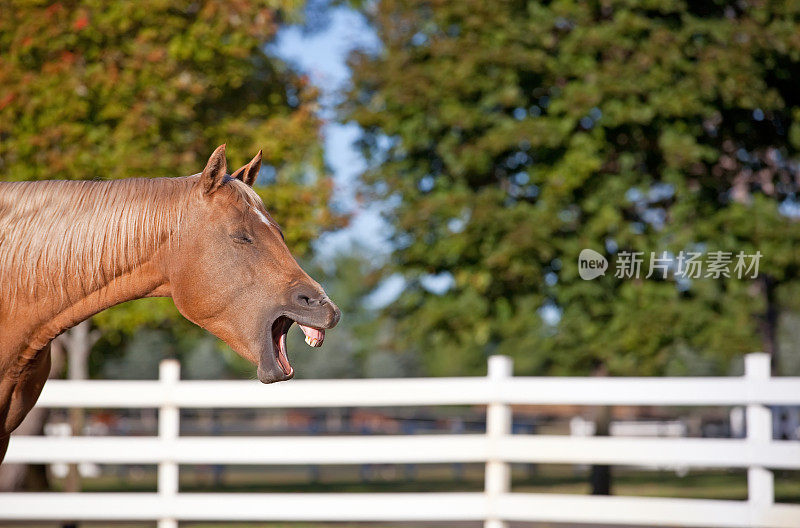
x,y
261,216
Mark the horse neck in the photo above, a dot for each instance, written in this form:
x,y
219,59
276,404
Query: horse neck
x,y
109,248
38,322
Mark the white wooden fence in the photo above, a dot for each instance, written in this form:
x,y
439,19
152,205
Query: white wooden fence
x,y
495,506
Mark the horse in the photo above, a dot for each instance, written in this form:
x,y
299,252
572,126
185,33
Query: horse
x,y
70,249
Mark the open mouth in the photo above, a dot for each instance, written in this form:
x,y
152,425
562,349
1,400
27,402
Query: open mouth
x,y
280,328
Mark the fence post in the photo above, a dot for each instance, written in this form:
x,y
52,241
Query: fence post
x,y
760,481
169,373
498,425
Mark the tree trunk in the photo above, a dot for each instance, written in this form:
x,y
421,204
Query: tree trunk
x,y
600,475
33,477
769,322
78,342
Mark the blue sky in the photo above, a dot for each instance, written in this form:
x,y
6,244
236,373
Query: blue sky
x,y
321,53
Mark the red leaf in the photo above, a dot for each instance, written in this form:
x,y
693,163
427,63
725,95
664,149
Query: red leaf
x,y
81,22
4,102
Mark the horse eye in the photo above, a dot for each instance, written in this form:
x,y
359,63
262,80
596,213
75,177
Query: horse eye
x,y
242,238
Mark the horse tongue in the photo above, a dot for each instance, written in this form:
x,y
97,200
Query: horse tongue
x,y
314,336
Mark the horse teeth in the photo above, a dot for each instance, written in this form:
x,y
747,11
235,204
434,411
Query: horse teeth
x,y
311,341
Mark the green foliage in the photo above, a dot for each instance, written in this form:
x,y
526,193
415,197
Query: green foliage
x,y
521,133
98,89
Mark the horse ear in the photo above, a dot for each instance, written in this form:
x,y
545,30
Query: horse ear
x,y
214,174
249,172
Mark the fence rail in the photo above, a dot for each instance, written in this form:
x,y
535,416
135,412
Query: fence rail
x,y
497,448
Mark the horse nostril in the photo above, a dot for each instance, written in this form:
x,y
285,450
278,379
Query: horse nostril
x,y
306,300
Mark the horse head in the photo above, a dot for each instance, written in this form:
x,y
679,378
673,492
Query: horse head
x,y
234,275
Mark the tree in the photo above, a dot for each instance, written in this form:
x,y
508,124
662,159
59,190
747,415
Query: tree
x,y
521,133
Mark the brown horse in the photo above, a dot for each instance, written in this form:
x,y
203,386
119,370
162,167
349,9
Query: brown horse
x,y
70,249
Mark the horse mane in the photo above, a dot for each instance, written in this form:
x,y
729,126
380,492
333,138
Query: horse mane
x,y
83,233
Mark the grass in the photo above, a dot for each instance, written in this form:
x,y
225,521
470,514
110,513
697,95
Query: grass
x,y
707,484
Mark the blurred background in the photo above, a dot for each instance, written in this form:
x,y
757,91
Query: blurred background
x,y
438,167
